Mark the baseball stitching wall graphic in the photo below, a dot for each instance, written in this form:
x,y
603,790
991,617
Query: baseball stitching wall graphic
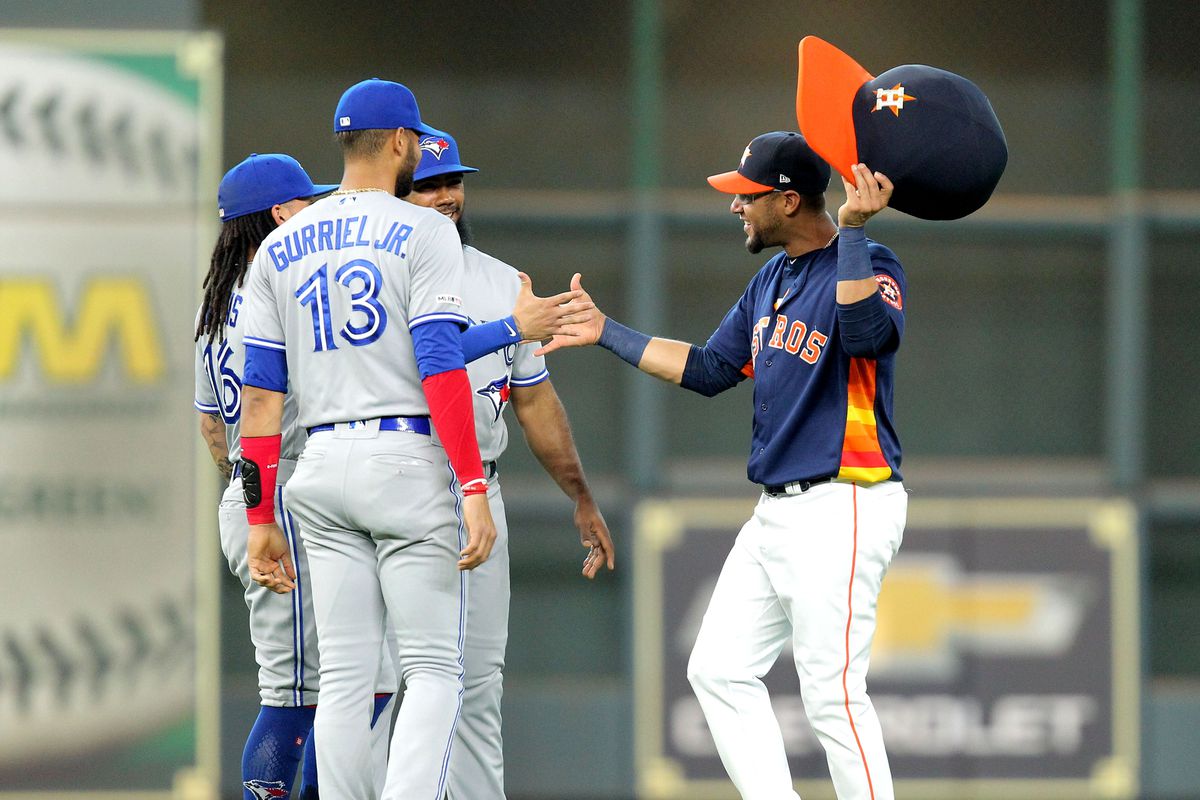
x,y
101,138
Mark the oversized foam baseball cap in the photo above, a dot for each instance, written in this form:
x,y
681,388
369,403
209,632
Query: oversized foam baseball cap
x,y
376,104
262,181
439,156
776,160
931,132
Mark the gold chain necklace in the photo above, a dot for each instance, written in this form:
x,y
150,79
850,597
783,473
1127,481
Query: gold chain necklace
x,y
357,191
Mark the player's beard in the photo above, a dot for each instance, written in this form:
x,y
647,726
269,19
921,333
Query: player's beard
x,y
763,235
464,228
404,178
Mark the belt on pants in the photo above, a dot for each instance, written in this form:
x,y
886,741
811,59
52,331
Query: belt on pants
x,y
794,487
405,424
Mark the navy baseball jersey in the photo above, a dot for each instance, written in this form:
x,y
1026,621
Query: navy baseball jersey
x,y
818,412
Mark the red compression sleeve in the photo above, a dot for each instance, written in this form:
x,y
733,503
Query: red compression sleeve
x,y
263,451
453,413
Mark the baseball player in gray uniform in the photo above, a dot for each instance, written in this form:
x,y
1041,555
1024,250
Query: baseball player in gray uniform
x,y
509,373
254,197
357,301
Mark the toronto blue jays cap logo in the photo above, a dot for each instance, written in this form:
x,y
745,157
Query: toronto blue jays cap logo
x,y
435,146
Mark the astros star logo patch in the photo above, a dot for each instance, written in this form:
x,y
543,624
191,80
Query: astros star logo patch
x,y
890,291
745,155
435,145
892,99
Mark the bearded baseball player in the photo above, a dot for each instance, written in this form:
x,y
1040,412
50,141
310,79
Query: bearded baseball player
x,y
508,374
817,329
357,304
254,197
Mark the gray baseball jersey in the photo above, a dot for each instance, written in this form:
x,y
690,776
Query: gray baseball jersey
x,y
492,288
339,288
219,385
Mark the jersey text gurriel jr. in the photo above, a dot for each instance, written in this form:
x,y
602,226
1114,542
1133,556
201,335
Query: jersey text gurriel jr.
x,y
818,411
338,289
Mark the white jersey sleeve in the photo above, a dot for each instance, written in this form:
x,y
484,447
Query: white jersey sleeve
x,y
528,369
435,286
264,328
492,289
205,399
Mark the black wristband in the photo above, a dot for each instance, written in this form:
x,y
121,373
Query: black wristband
x,y
251,483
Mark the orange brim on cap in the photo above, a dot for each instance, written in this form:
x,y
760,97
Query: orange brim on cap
x,y
825,88
736,183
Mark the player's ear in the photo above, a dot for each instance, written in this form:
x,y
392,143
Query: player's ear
x,y
400,143
279,214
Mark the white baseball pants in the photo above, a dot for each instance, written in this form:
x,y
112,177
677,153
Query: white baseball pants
x,y
477,765
379,513
806,567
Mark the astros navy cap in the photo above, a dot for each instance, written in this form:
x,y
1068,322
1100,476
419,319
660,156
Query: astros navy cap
x,y
439,156
777,160
376,104
931,132
262,181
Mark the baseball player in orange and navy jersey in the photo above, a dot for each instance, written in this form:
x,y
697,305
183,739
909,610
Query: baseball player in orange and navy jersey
x,y
817,329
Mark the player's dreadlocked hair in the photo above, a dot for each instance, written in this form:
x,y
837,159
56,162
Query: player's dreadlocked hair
x,y
230,259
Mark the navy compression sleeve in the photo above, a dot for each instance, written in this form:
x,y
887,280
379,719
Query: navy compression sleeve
x,y
707,373
867,329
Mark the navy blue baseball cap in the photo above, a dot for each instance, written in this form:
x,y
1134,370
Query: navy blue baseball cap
x,y
263,181
439,156
933,133
375,104
776,160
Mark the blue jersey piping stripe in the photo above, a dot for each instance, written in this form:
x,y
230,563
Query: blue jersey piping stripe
x,y
297,636
462,635
444,316
541,376
253,341
205,408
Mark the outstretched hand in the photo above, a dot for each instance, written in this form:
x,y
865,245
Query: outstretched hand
x,y
584,327
542,317
866,197
594,535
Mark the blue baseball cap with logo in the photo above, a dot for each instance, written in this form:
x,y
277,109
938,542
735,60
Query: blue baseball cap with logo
x,y
931,132
439,156
376,104
263,181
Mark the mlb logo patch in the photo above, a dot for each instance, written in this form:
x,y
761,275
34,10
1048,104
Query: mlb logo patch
x,y
343,122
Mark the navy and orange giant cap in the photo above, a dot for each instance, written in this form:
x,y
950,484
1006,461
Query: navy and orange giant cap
x,y
931,132
777,160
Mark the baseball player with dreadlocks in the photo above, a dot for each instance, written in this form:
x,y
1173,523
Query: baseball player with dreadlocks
x,y
254,197
507,373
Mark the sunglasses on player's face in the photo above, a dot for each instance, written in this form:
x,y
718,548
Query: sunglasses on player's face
x,y
747,199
